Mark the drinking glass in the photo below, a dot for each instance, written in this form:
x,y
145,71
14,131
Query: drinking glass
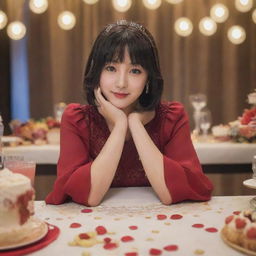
x,y
198,102
58,110
26,168
205,121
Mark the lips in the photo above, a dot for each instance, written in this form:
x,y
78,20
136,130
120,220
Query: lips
x,y
120,95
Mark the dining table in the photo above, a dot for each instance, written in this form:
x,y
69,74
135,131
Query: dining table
x,y
133,222
208,152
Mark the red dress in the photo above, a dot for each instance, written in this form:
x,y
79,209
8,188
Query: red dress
x,y
83,134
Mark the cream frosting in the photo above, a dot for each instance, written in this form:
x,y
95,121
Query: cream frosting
x,y
12,185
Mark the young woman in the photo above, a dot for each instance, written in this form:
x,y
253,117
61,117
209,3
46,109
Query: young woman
x,y
126,136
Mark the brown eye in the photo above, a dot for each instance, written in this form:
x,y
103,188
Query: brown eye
x,y
135,71
110,68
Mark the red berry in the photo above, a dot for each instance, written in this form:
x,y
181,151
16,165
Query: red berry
x,y
110,246
176,217
154,251
198,225
251,233
133,227
84,236
127,239
229,219
101,230
236,212
171,248
75,225
161,216
240,223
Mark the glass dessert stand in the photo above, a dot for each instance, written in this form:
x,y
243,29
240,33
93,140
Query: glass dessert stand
x,y
251,183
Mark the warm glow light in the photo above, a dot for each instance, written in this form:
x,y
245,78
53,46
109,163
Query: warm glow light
x,y
207,26
219,13
254,16
236,34
243,5
16,30
152,4
66,20
90,1
174,1
183,26
122,5
38,6
3,19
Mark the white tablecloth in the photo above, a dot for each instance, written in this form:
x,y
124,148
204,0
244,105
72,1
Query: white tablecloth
x,y
139,207
208,153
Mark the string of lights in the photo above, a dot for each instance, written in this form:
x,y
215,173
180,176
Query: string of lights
x,y
183,26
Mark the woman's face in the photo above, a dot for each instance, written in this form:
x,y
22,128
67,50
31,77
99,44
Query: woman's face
x,y
123,83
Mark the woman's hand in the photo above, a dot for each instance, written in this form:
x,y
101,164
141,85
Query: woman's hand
x,y
143,117
112,114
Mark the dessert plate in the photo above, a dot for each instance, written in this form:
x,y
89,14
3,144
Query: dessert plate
x,y
250,183
38,231
237,247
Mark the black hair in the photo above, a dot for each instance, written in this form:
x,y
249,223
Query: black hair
x,y
110,46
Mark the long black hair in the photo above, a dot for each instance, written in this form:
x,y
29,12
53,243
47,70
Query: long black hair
x,y
110,46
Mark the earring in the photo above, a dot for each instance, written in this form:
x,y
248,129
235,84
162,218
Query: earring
x,y
147,88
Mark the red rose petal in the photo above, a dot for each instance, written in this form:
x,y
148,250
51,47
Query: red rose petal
x,y
107,240
110,246
75,225
127,238
171,248
154,251
161,216
84,236
131,254
101,230
133,227
198,225
236,212
176,217
211,230
86,210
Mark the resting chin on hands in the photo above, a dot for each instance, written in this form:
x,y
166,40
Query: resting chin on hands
x,y
142,117
112,114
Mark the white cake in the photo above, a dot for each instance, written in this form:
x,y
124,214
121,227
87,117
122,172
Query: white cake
x,y
16,206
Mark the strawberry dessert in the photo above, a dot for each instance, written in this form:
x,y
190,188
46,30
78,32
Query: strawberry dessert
x,y
16,207
240,229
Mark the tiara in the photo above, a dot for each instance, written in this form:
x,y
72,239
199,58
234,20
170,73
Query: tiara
x,y
125,22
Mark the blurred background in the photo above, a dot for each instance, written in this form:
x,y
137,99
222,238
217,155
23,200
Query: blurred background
x,y
44,64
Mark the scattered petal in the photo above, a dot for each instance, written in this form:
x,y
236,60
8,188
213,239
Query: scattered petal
x,y
101,230
176,217
211,230
199,252
154,251
161,216
110,246
236,212
198,225
127,239
107,240
86,210
84,236
131,254
133,227
75,225
171,248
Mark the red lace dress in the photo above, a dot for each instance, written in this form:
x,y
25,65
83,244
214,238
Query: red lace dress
x,y
83,134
